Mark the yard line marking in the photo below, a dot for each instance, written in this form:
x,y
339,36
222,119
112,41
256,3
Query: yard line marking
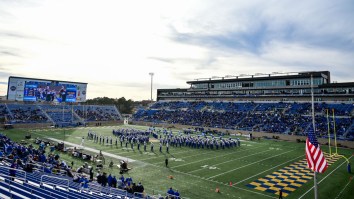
x,y
181,152
268,169
325,177
217,156
118,152
172,154
248,165
343,189
226,185
202,154
187,156
95,150
230,161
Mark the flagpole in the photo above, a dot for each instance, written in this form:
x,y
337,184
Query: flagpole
x,y
314,131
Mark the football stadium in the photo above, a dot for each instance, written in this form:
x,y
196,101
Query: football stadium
x,y
258,136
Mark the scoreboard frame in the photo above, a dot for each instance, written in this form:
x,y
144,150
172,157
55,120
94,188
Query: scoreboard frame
x,y
16,88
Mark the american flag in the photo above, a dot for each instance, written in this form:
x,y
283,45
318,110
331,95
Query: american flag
x,y
314,156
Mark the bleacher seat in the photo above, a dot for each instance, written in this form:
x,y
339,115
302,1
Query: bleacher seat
x,y
275,117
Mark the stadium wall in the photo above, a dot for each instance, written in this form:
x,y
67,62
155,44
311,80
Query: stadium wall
x,y
48,125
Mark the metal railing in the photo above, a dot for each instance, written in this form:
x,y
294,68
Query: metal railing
x,y
95,188
11,181
55,184
24,173
117,192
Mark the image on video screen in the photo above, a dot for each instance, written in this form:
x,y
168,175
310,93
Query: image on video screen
x,y
50,92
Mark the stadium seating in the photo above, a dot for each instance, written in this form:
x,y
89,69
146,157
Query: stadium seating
x,y
24,113
3,110
42,185
98,113
61,115
275,117
44,182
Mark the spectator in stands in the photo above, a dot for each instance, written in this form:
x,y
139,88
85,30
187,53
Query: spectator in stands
x,y
47,170
140,188
80,169
121,178
99,178
170,192
91,174
177,194
134,188
109,180
114,182
76,178
29,166
84,183
104,179
12,171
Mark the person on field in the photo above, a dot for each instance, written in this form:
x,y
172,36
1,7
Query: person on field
x,y
281,194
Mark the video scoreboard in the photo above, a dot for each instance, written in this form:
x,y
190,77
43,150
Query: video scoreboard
x,y
30,89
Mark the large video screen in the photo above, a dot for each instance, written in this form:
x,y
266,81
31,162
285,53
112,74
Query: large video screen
x,y
26,89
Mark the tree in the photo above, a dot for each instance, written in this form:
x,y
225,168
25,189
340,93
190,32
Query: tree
x,y
124,106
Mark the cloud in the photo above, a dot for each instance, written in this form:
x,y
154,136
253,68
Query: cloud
x,y
115,49
16,35
5,74
9,53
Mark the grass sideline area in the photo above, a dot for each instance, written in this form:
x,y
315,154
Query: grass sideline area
x,y
197,173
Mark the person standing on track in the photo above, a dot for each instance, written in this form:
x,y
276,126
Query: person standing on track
x,y
82,141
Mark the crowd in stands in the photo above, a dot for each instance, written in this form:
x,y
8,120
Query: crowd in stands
x,y
26,114
287,118
28,158
3,110
173,193
58,114
97,113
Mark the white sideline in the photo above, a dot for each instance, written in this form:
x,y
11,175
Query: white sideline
x,y
343,189
248,165
94,150
268,170
230,161
233,152
212,181
324,178
184,157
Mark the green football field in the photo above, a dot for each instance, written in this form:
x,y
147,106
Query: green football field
x,y
255,170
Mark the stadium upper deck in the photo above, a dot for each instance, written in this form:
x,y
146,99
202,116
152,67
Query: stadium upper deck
x,y
276,86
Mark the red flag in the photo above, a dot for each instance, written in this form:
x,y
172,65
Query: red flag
x,y
316,161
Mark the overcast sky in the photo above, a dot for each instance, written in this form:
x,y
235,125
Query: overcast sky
x,y
113,45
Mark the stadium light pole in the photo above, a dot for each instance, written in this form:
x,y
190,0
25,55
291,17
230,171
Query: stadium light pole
x,y
152,75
